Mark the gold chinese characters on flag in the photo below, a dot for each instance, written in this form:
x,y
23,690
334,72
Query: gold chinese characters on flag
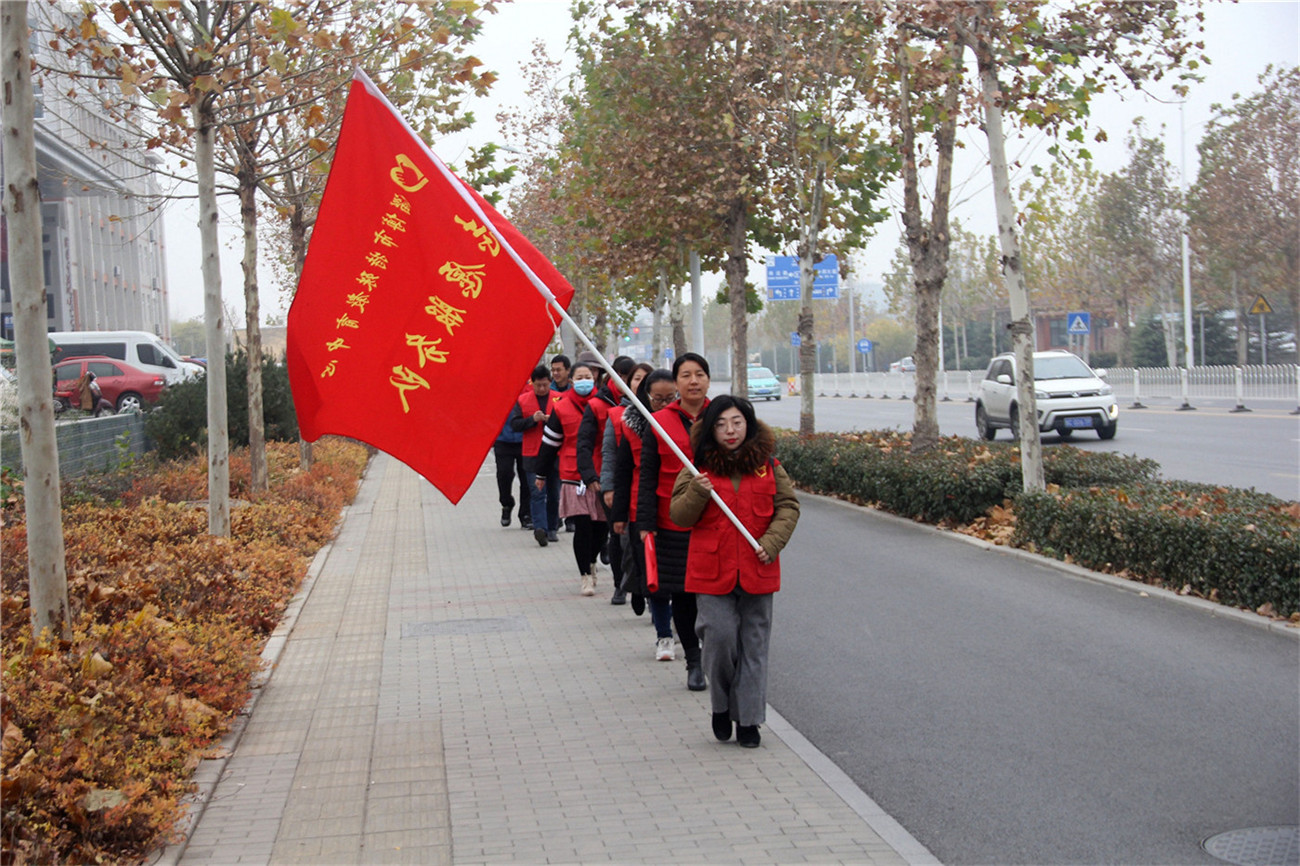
x,y
415,326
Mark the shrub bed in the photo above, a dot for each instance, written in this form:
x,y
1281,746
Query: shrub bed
x,y
101,732
1233,546
956,483
1105,511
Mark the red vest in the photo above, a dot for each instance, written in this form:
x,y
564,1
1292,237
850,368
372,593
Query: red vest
x,y
616,415
601,410
528,404
719,555
570,408
670,419
634,443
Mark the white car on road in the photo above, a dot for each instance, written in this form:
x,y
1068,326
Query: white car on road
x,y
1069,394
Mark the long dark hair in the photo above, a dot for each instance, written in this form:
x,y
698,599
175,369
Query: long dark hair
x,y
703,443
632,417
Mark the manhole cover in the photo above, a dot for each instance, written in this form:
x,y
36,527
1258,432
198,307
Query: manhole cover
x,y
1257,846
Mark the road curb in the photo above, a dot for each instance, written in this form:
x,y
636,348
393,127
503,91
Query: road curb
x,y
884,825
1213,608
211,770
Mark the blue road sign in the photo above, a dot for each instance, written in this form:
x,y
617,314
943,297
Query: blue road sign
x,y
783,278
1079,323
864,346
794,338
668,354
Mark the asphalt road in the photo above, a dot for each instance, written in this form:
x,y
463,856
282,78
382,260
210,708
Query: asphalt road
x,y
1259,449
1004,712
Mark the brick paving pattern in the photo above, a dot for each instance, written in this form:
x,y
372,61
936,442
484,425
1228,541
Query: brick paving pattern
x,y
447,696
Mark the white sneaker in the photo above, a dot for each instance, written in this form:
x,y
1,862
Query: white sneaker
x,y
588,584
664,650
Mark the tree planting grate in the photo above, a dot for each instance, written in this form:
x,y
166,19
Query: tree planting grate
x,y
1257,846
485,625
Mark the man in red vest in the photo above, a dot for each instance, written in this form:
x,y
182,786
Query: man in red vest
x,y
529,418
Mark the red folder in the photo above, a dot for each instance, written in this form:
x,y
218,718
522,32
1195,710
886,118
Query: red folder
x,y
651,565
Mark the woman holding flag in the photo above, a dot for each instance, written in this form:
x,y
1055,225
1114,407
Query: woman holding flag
x,y
733,582
578,500
659,468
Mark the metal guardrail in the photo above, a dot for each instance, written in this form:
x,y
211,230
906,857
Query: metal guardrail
x,y
1254,382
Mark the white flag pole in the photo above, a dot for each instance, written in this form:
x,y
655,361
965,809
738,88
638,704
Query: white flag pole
x,y
551,301
649,416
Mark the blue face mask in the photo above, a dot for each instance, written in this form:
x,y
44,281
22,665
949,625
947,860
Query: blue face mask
x,y
584,386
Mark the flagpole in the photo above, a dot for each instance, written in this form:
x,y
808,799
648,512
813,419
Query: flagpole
x,y
463,191
649,416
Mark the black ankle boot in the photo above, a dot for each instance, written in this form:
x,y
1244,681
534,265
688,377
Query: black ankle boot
x,y
722,726
694,672
748,736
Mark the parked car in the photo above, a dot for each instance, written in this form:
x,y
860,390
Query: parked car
x,y
145,351
1070,396
763,383
903,365
126,387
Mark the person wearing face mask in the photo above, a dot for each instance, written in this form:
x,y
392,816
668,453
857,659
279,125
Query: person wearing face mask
x,y
559,455
659,468
732,582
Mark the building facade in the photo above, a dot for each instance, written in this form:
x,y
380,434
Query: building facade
x,y
101,215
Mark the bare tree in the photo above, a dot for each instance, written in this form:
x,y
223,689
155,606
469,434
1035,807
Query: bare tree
x,y
46,573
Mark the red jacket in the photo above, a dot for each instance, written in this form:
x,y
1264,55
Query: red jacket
x,y
600,409
671,419
568,411
529,403
719,555
621,433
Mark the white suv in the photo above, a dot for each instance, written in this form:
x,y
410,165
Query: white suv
x,y
1069,394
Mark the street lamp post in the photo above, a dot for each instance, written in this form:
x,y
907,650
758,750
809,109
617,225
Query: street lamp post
x,y
1190,358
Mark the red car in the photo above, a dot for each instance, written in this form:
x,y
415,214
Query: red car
x,y
126,387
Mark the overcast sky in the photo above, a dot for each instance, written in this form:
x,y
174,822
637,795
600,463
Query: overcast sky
x,y
1241,39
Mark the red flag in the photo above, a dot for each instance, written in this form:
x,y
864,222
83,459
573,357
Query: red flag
x,y
414,325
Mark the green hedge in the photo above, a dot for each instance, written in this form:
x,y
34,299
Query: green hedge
x,y
179,424
1104,511
1238,547
957,482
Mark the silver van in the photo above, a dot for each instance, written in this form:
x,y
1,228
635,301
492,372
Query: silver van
x,y
137,348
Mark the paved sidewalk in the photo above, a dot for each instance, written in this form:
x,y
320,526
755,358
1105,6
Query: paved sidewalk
x,y
447,696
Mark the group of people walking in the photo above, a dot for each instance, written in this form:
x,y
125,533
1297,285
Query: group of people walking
x,y
586,454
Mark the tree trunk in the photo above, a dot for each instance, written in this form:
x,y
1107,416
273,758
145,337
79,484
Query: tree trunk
x,y
928,246
1022,322
214,313
1243,324
578,312
252,325
657,326
737,268
697,305
47,575
677,321
807,274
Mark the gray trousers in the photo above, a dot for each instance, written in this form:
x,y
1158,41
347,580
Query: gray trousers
x,y
734,630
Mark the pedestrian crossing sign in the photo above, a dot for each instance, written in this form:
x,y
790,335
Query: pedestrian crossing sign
x,y
1079,323
1260,307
